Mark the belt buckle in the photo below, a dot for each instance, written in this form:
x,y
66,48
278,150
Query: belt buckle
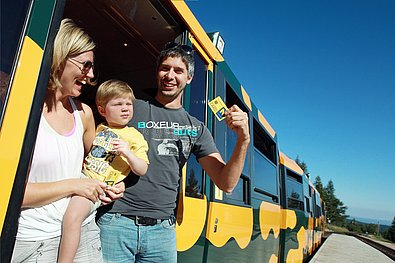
x,y
140,221
145,221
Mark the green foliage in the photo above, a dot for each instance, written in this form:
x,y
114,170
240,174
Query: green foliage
x,y
301,164
337,229
390,234
318,185
354,227
362,228
335,208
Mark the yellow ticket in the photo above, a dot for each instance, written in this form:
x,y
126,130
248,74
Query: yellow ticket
x,y
219,108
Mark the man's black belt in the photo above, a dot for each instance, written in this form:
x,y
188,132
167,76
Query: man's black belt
x,y
145,221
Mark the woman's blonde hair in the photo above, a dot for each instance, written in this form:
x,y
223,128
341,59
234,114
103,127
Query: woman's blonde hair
x,y
70,41
112,89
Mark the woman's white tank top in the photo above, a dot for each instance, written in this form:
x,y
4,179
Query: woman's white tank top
x,y
56,157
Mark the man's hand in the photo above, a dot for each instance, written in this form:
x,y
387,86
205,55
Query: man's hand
x,y
237,120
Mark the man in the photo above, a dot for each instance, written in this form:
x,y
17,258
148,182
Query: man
x,y
141,226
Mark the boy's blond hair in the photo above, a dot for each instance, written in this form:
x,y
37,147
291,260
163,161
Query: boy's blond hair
x,y
112,89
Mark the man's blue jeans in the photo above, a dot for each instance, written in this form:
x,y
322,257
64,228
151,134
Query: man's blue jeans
x,y
124,241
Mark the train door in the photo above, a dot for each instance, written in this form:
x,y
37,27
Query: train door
x,y
307,191
230,217
317,220
265,191
294,221
295,237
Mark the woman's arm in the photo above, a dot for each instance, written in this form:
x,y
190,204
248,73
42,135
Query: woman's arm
x,y
39,194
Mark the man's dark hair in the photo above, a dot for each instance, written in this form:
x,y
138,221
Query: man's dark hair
x,y
181,51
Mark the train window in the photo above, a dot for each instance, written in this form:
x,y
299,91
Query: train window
x,y
307,194
317,199
294,191
238,195
264,143
13,15
318,205
265,174
307,203
318,211
265,169
194,179
195,103
195,93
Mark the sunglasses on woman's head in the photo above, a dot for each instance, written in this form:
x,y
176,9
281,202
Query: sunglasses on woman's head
x,y
187,49
86,65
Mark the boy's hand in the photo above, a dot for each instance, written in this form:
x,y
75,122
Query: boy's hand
x,y
113,193
121,147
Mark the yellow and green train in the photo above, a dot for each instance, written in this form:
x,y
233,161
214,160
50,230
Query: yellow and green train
x,y
274,214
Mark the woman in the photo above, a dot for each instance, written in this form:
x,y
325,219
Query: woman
x,y
65,135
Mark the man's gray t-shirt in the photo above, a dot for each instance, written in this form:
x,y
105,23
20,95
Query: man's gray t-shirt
x,y
172,135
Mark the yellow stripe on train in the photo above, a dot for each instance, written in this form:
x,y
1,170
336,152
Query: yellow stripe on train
x,y
227,221
269,218
191,218
296,255
16,118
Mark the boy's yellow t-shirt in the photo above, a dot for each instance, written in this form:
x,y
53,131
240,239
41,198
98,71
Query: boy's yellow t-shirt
x,y
103,164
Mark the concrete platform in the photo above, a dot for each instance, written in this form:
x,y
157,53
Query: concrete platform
x,y
341,248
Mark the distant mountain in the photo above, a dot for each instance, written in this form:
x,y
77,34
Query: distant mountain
x,y
371,221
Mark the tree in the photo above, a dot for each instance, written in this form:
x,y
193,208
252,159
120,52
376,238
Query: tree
x,y
335,208
320,188
301,164
354,226
318,185
391,231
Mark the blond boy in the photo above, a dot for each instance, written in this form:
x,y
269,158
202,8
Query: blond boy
x,y
117,149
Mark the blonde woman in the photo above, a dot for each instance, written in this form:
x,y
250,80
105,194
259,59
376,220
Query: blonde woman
x,y
65,135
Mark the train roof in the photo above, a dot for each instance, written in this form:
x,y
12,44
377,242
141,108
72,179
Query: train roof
x,y
290,164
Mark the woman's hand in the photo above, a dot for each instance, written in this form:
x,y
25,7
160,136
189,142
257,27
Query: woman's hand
x,y
90,189
113,193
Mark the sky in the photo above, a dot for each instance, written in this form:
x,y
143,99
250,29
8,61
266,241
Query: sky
x,y
322,72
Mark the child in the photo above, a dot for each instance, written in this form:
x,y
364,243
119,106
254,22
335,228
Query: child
x,y
116,150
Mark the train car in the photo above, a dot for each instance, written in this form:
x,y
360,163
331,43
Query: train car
x,y
257,222
319,219
303,213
